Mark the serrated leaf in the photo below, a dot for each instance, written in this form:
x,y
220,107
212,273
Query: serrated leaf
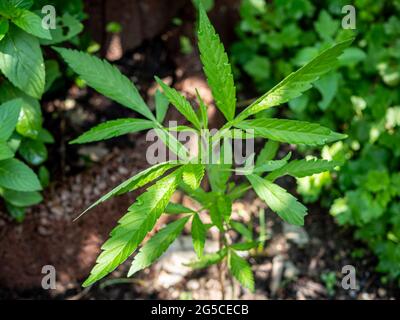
x,y
106,79
193,175
133,227
139,180
267,166
16,175
291,131
22,199
21,61
208,259
30,23
177,208
216,66
9,113
198,235
202,111
241,270
162,104
303,168
280,201
157,245
114,128
180,103
268,152
297,82
172,143
5,151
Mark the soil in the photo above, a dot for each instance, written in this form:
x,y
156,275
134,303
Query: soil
x,y
284,269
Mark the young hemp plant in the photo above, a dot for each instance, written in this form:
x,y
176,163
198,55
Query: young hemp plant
x,y
167,177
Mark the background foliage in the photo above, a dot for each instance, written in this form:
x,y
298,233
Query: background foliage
x,y
360,98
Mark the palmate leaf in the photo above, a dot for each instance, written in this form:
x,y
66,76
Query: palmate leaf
x,y
21,61
114,128
139,180
280,201
198,235
303,168
297,82
133,227
241,270
216,66
180,103
9,113
106,79
157,245
16,175
291,131
172,143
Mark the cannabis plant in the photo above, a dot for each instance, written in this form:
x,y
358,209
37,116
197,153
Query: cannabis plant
x,y
188,172
24,77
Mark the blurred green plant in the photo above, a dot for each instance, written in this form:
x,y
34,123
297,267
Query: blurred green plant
x,y
360,97
25,76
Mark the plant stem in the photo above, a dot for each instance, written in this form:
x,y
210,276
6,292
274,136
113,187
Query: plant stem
x,y
221,273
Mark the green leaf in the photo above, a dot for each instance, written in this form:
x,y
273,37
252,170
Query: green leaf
x,y
16,175
242,229
44,176
241,270
157,245
244,246
172,143
52,73
21,61
135,182
216,66
17,213
9,113
208,259
180,103
327,86
325,26
297,82
30,118
198,235
4,25
202,111
177,208
106,79
34,152
30,23
267,166
268,152
281,202
303,168
22,199
291,131
193,175
162,104
67,27
5,151
133,227
113,128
